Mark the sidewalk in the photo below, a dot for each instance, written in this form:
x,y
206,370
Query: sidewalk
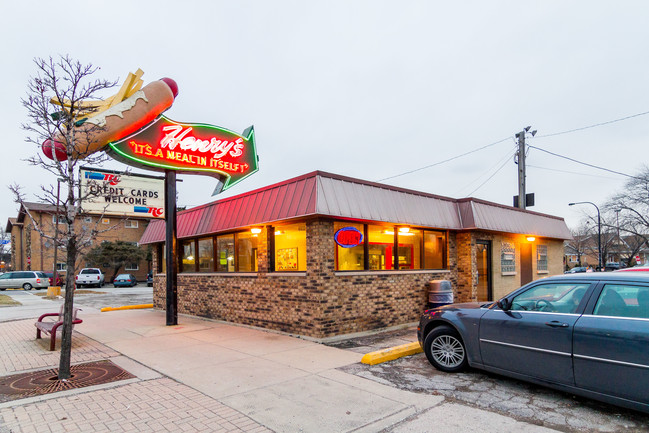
x,y
207,376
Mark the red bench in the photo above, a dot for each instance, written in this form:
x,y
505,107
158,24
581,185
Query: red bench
x,y
50,327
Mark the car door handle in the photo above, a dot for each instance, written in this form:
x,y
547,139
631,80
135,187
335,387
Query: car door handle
x,y
557,324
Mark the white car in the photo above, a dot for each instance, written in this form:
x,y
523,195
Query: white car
x,y
90,277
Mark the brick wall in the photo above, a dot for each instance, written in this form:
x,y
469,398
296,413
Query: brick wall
x,y
317,303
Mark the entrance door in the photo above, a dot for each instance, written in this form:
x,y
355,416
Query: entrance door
x,y
526,263
483,261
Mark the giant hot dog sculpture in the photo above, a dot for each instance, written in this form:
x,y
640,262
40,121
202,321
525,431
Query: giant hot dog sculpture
x,y
117,117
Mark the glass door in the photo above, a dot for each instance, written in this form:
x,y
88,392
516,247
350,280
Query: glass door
x,y
483,262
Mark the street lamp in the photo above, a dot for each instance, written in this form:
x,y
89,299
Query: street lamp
x,y
599,231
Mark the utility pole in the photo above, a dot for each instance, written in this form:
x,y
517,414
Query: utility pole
x,y
522,200
521,168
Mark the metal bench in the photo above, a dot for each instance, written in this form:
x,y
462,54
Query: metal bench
x,y
51,327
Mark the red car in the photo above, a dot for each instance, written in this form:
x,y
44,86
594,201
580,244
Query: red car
x,y
59,281
639,268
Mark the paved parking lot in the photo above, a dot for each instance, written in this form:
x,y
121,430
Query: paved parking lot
x,y
525,402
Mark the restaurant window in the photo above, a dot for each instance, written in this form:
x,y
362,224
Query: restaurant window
x,y
380,247
290,247
246,257
410,243
225,253
205,255
434,250
188,256
541,257
349,258
507,257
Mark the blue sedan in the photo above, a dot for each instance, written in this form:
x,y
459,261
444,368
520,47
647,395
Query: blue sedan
x,y
124,280
587,334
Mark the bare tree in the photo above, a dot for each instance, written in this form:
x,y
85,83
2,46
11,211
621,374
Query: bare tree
x,y
580,240
55,109
632,203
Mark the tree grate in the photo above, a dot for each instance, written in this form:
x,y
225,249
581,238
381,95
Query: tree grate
x,y
42,382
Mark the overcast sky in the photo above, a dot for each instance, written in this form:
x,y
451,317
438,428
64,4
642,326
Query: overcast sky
x,y
368,89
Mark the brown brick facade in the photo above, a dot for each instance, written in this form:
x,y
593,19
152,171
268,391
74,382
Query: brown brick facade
x,y
317,303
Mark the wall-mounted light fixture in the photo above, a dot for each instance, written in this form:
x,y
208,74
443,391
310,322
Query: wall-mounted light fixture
x,y
255,230
530,238
404,229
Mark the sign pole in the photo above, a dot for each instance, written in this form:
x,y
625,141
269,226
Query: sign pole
x,y
171,256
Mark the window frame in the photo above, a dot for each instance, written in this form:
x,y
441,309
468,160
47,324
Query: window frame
x,y
542,263
395,245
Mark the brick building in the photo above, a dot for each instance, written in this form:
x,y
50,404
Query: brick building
x,y
31,251
322,255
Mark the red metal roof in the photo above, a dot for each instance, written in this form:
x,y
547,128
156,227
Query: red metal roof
x,y
326,194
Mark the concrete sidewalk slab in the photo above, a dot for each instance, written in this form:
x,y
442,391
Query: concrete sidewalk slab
x,y
445,418
238,377
314,403
315,358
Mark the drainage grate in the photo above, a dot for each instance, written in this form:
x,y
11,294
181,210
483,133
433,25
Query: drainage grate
x,y
42,382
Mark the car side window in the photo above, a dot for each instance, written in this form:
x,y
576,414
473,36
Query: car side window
x,y
550,298
621,300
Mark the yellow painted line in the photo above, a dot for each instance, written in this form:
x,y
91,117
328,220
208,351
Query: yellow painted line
x,y
127,307
391,353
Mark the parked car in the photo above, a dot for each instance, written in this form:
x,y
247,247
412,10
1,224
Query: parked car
x,y
59,281
612,266
26,279
585,333
124,280
576,270
149,279
90,277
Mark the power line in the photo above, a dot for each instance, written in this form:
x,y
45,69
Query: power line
x,y
570,172
594,126
446,160
583,163
507,156
489,178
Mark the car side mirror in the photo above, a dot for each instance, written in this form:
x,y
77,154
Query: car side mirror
x,y
504,304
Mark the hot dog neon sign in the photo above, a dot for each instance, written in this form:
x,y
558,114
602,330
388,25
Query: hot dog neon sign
x,y
195,148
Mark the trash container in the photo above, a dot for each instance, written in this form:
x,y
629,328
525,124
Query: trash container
x,y
440,292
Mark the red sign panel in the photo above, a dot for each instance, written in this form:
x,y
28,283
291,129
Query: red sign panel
x,y
348,237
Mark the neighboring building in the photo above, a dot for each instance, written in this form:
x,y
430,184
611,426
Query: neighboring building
x,y
270,257
628,250
31,251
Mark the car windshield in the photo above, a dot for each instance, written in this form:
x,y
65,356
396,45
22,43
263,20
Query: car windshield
x,y
558,298
124,276
90,271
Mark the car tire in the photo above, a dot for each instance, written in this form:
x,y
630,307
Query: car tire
x,y
445,349
27,286
3,289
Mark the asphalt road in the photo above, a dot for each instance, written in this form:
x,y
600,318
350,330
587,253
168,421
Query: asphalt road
x,y
513,398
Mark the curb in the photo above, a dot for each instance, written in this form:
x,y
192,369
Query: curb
x,y
391,353
127,307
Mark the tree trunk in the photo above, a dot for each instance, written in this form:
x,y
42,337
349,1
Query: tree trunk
x,y
68,305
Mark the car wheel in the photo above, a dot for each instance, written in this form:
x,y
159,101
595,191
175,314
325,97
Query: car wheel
x,y
27,286
445,350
